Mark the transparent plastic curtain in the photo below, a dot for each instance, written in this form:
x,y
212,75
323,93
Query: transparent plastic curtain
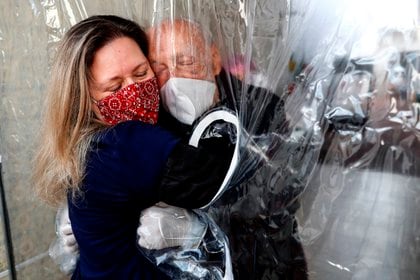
x,y
345,147
23,57
360,211
348,148
255,40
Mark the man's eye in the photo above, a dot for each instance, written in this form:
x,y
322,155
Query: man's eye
x,y
186,62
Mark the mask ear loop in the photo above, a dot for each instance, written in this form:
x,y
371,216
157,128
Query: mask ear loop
x,y
94,115
94,101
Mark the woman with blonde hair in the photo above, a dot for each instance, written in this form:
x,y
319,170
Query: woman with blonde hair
x,y
101,151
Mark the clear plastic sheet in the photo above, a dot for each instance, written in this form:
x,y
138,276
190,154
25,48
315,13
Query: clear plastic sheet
x,y
334,173
184,244
359,213
256,211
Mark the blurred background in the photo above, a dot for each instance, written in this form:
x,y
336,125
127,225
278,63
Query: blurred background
x,y
351,65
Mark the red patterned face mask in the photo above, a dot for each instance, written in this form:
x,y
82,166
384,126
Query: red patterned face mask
x,y
138,101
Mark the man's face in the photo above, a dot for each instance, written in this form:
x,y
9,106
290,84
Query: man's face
x,y
178,49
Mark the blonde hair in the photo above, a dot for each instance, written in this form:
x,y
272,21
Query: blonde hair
x,y
69,124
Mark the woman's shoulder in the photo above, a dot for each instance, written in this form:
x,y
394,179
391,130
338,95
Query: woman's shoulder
x,y
129,131
131,138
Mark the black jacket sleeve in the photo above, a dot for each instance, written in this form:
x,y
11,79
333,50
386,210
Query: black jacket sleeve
x,y
193,176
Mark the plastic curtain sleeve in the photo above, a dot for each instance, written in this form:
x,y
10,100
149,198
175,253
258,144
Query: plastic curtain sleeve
x,y
189,244
184,244
64,250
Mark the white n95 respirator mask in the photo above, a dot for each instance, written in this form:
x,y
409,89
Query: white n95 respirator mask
x,y
187,99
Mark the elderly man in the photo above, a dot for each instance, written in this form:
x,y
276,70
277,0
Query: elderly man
x,y
192,80
263,238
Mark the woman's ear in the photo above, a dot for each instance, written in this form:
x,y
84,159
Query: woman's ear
x,y
217,60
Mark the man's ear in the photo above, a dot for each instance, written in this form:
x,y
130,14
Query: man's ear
x,y
217,60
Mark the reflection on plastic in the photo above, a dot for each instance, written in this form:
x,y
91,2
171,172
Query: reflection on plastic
x,y
182,242
346,159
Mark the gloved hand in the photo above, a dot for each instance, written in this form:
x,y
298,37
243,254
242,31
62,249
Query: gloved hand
x,y
162,226
65,232
64,249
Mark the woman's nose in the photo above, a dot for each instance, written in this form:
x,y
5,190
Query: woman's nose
x,y
128,81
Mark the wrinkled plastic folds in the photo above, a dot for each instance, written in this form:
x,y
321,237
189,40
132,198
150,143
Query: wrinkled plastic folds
x,y
169,226
183,243
329,185
64,249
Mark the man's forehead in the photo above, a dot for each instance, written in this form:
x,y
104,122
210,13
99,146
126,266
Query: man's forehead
x,y
178,32
178,25
178,47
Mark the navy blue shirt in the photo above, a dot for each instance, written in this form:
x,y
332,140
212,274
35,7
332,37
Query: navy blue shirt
x,y
123,170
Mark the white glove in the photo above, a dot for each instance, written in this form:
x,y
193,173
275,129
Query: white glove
x,y
163,226
65,232
64,250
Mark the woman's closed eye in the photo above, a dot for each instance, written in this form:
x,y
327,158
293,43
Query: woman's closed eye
x,y
113,88
140,74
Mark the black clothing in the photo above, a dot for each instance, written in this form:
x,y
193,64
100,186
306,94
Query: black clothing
x,y
130,167
263,240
